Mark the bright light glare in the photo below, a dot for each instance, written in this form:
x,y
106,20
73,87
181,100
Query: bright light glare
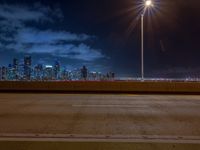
x,y
148,3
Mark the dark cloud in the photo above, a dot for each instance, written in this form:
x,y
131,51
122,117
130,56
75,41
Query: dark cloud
x,y
31,40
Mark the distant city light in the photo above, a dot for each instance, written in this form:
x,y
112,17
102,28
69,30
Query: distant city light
x,y
48,66
26,71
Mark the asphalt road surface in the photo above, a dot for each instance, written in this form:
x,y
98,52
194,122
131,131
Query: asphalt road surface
x,y
100,118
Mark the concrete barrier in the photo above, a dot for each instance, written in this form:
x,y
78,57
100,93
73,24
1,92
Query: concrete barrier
x,y
104,87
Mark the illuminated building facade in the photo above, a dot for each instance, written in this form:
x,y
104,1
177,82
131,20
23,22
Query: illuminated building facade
x,y
27,67
23,71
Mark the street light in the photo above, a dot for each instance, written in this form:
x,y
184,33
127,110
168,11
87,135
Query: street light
x,y
147,4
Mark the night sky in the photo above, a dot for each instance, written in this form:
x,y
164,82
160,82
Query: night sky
x,y
104,35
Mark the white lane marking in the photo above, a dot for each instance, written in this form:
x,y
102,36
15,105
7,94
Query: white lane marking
x,y
100,138
115,106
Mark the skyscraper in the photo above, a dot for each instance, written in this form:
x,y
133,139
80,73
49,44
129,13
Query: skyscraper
x,y
15,69
48,72
56,70
38,72
15,63
27,67
4,72
10,74
84,72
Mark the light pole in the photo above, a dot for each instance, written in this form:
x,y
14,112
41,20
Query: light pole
x,y
147,4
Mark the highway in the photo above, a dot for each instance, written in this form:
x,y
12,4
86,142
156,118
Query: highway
x,y
100,118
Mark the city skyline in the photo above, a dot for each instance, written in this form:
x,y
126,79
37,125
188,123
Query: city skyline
x,y
102,34
26,71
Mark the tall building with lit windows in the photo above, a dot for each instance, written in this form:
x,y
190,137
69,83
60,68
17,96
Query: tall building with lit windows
x,y
10,72
27,67
38,72
4,72
56,70
15,69
48,72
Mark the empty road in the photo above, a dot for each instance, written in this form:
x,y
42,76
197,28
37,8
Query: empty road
x,y
98,121
98,117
